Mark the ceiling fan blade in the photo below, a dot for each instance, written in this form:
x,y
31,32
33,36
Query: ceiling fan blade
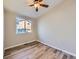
x,y
36,0
36,9
31,5
44,5
40,0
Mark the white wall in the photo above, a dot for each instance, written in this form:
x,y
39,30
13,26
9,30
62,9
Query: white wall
x,y
10,37
57,27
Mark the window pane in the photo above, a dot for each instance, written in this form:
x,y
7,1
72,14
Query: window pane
x,y
23,26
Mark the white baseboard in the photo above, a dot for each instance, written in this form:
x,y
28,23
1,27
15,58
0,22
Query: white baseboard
x,y
60,49
19,44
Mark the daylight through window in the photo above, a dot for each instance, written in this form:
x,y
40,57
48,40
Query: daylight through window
x,y
23,26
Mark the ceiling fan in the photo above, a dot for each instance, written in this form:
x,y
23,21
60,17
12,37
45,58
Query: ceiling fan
x,y
38,3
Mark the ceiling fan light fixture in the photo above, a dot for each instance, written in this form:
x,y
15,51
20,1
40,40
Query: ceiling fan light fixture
x,y
36,5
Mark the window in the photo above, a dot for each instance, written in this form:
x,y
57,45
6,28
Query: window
x,y
23,26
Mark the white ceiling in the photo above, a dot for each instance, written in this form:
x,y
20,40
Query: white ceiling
x,y
21,7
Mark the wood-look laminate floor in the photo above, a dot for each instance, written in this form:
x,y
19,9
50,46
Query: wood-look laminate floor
x,y
35,51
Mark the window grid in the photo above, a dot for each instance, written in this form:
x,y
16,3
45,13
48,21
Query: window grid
x,y
23,26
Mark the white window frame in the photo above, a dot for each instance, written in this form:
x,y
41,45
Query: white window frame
x,y
24,28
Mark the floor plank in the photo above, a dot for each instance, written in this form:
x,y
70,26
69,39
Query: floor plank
x,y
35,50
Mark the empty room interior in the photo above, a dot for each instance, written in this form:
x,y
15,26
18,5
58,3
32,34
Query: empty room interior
x,y
39,29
